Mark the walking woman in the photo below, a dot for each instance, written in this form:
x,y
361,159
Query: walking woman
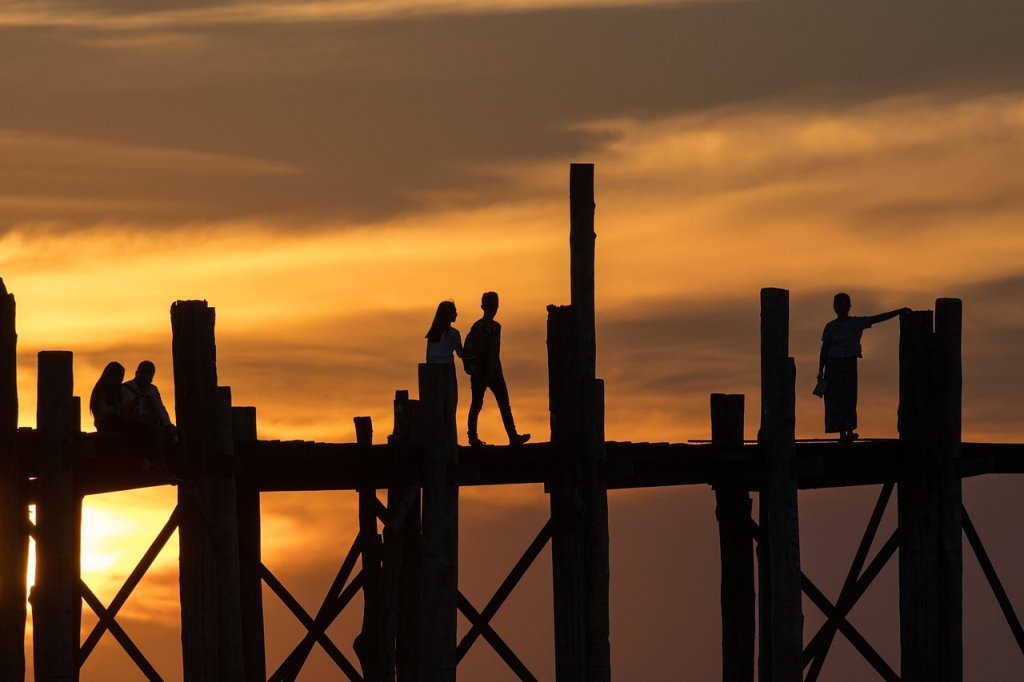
x,y
837,365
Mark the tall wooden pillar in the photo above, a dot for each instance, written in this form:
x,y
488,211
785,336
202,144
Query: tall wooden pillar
x,y
781,615
13,507
568,515
372,648
209,575
733,506
917,501
439,557
948,323
929,495
247,498
56,600
401,559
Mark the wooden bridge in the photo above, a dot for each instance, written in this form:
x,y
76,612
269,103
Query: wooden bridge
x,y
404,560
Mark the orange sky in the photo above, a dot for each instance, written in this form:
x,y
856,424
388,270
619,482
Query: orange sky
x,y
323,173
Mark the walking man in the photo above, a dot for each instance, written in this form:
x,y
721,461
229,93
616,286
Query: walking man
x,y
482,361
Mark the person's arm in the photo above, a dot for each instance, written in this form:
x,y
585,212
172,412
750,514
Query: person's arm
x,y
821,360
882,317
165,418
457,342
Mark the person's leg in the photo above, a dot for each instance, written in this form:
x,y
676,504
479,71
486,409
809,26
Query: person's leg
x,y
478,386
500,390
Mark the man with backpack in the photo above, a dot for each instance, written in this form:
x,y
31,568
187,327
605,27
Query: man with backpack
x,y
482,361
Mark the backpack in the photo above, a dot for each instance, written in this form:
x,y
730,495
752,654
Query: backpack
x,y
471,351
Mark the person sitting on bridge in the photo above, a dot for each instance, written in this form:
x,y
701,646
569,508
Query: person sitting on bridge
x,y
837,365
142,397
105,402
482,361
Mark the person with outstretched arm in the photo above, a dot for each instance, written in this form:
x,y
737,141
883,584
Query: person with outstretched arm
x,y
837,365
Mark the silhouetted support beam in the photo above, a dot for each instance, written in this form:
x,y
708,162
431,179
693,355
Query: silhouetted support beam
x,y
56,598
13,508
209,575
732,510
568,516
949,376
401,560
581,259
918,501
371,646
779,564
439,559
250,555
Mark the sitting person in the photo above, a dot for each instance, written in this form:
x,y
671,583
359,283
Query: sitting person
x,y
105,403
144,406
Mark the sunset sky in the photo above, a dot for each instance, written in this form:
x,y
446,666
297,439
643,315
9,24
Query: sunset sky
x,y
325,172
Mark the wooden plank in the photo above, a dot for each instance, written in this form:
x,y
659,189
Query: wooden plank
x,y
568,523
13,506
250,554
209,575
56,598
733,507
439,539
779,557
918,501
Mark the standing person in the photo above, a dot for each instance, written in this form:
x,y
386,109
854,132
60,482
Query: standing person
x,y
837,365
482,360
105,402
444,340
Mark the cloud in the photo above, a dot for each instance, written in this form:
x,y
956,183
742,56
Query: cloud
x,y
392,117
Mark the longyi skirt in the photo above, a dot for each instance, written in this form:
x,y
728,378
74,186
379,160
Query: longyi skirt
x,y
841,394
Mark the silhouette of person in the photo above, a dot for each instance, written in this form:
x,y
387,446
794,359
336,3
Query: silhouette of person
x,y
837,365
143,397
105,402
482,360
443,339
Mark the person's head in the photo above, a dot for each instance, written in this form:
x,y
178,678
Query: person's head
x,y
841,304
144,373
443,318
489,303
109,384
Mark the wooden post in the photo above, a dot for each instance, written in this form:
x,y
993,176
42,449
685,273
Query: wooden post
x,y
250,555
581,260
439,556
781,607
918,501
595,496
13,508
733,506
372,648
400,562
56,603
568,522
209,575
948,323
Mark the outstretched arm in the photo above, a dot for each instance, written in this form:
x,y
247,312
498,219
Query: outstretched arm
x,y
882,317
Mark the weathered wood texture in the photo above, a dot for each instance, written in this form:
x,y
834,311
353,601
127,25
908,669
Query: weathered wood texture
x,y
439,555
568,522
13,506
250,555
781,595
209,576
56,598
372,646
733,507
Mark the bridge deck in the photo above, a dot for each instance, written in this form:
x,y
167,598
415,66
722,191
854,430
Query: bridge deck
x,y
109,464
